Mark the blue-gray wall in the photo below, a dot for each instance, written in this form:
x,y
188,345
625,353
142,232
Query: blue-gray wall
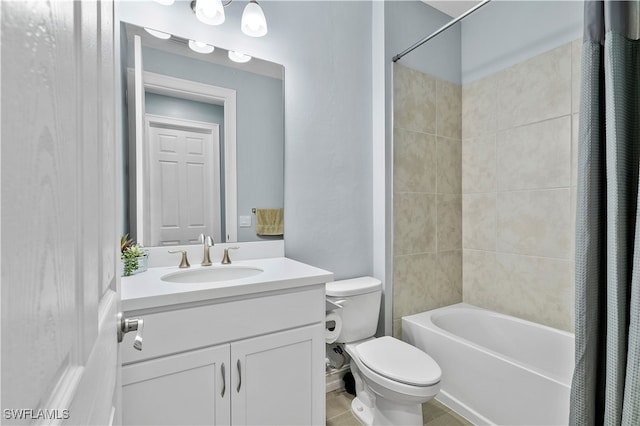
x,y
325,48
406,22
183,108
504,33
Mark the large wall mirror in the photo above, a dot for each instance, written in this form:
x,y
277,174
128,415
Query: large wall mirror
x,y
203,142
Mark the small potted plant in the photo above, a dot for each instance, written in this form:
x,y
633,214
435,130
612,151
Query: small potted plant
x,y
133,257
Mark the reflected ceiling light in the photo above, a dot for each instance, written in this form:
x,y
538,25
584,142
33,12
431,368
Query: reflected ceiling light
x,y
210,12
239,57
253,23
158,34
165,2
200,47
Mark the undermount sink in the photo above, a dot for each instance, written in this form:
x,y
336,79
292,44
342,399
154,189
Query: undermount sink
x,y
211,274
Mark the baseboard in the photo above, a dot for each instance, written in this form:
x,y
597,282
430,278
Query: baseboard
x,y
334,378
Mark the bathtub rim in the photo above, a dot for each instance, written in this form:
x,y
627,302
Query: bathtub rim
x,y
465,306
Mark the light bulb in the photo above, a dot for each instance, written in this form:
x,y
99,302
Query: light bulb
x,y
200,47
165,2
239,57
253,23
210,12
158,34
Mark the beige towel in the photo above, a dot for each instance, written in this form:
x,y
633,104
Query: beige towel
x,y
270,221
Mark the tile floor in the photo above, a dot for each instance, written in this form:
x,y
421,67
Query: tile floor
x,y
433,412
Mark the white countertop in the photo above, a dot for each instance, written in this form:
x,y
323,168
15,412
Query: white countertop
x,y
146,290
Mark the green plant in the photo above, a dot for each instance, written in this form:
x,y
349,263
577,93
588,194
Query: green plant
x,y
129,254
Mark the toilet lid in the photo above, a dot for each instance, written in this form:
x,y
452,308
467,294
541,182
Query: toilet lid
x,y
399,361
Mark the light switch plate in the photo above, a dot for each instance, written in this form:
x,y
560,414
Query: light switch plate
x,y
245,221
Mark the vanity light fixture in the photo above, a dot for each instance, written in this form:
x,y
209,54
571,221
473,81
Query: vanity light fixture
x,y
211,12
158,34
200,47
254,23
239,57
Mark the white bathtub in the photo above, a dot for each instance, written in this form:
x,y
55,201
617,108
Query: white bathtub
x,y
496,369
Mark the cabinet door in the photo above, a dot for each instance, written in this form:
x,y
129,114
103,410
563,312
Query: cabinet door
x,y
278,379
189,388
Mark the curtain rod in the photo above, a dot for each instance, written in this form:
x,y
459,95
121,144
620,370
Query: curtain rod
x,y
438,31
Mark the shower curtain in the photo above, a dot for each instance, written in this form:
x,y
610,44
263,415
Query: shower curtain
x,y
606,380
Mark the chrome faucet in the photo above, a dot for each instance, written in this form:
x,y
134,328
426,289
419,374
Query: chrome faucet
x,y
207,242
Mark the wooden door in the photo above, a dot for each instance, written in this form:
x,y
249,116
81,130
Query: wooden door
x,y
184,183
278,379
60,291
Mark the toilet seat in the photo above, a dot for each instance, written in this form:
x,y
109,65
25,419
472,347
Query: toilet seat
x,y
393,389
399,361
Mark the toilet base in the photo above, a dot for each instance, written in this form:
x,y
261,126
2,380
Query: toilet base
x,y
392,413
387,413
362,412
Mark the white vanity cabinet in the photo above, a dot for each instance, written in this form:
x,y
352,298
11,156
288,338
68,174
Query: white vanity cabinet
x,y
257,359
186,388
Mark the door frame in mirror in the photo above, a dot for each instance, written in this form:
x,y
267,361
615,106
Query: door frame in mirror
x,y
179,88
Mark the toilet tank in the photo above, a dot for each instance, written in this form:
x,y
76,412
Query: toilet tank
x,y
360,301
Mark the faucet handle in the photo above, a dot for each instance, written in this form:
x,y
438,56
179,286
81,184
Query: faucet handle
x,y
225,259
184,263
209,241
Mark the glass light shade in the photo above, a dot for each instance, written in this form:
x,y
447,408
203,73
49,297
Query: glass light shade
x,y
210,12
253,23
200,47
158,34
239,57
165,2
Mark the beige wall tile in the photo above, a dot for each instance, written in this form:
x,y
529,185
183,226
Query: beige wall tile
x,y
574,201
534,288
414,278
414,100
576,74
575,127
397,328
449,180
479,164
479,221
535,223
449,222
448,109
414,161
478,277
414,219
479,107
536,89
448,289
535,156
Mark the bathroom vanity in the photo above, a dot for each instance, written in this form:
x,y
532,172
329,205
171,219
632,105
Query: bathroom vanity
x,y
234,351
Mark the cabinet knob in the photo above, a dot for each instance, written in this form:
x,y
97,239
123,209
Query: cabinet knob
x,y
126,325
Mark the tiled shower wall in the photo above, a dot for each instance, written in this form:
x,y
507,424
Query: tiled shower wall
x,y
519,130
505,195
427,201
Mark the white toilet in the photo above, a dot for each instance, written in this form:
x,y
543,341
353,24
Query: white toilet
x,y
393,378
